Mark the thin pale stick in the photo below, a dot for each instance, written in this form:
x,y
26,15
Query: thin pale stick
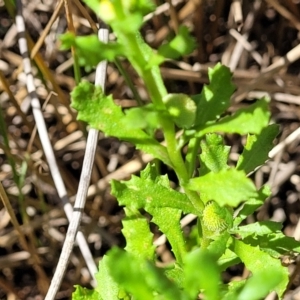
x,y
82,189
47,147
236,7
288,140
285,13
246,45
161,9
86,15
282,62
239,47
41,39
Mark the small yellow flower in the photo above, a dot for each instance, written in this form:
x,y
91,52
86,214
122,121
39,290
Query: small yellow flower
x,y
107,11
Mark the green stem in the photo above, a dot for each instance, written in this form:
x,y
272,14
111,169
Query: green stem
x,y
190,159
129,82
174,152
139,54
178,163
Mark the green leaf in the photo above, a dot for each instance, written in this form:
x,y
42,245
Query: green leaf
x,y
144,193
140,277
257,148
215,97
202,272
128,272
182,44
168,221
128,25
228,259
234,288
259,285
181,108
103,114
218,246
90,50
127,15
275,244
82,293
142,6
214,155
259,262
193,239
257,229
175,274
139,239
153,193
145,117
248,120
227,187
107,287
251,205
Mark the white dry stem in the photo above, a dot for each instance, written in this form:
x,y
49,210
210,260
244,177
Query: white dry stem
x,y
48,150
82,189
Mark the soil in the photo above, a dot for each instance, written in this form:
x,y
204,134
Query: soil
x,y
261,47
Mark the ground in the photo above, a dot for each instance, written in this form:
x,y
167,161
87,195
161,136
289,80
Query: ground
x,y
261,47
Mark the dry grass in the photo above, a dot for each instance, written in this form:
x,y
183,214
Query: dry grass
x,y
264,58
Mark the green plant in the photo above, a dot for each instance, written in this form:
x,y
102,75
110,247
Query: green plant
x,y
211,192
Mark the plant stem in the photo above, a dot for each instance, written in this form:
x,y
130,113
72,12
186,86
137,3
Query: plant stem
x,y
190,159
139,54
129,82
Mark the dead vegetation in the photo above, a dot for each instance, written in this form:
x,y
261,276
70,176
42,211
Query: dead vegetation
x,y
258,40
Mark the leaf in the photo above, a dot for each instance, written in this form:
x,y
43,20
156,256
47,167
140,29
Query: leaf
x,y
218,246
141,193
201,272
139,239
145,117
127,15
275,244
82,293
153,193
103,114
248,120
259,262
168,221
257,229
128,272
214,155
90,50
140,277
227,187
234,288
142,6
193,239
252,204
259,285
215,97
257,148
181,108
228,259
175,274
182,44
107,287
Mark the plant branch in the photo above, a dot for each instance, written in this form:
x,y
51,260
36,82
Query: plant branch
x,y
155,86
